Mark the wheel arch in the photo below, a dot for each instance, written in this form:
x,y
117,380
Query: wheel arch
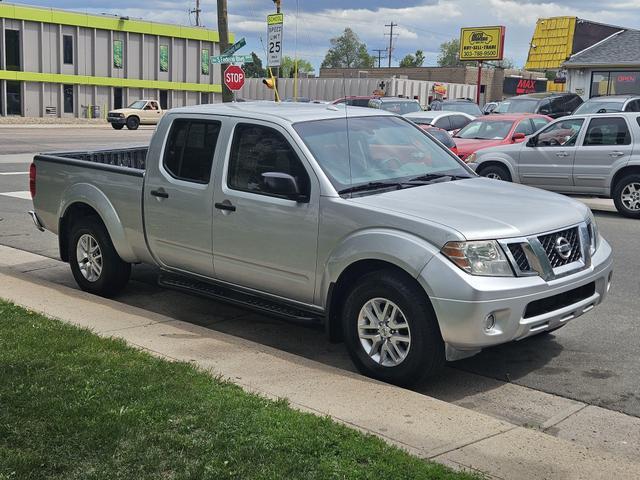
x,y
496,162
363,253
89,201
626,170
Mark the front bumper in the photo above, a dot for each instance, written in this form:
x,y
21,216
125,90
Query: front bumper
x,y
117,120
462,302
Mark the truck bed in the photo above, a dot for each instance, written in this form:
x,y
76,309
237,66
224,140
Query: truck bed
x,y
110,181
133,158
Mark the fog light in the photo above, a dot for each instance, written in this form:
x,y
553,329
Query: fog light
x,y
489,322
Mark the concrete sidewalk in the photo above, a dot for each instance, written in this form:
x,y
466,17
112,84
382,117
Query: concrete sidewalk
x,y
422,425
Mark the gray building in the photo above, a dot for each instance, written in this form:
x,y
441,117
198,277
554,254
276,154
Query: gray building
x,y
63,63
609,67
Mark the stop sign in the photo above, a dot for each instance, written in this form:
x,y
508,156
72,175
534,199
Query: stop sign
x,y
234,77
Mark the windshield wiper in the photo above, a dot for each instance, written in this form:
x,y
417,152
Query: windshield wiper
x,y
435,176
370,186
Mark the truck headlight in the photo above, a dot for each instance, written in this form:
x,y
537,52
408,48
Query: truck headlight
x,y
594,235
484,258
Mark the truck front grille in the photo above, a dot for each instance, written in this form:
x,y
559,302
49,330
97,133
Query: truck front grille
x,y
554,243
520,258
556,302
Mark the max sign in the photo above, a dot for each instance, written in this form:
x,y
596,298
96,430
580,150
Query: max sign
x,y
520,86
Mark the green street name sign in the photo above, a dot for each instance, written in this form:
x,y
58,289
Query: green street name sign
x,y
232,59
235,47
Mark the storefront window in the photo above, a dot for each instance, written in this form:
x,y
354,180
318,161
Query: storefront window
x,y
615,83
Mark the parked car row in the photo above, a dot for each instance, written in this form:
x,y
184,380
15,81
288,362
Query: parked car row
x,y
594,154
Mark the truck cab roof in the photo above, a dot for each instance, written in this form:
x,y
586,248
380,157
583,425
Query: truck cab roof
x,y
285,112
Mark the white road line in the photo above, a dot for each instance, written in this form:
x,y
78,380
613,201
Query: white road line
x,y
23,195
14,173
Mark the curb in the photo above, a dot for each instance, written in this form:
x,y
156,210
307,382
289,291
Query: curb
x,y
426,427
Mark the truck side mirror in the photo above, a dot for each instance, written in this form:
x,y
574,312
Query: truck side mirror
x,y
283,184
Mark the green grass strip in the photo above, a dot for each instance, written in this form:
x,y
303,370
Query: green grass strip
x,y
77,406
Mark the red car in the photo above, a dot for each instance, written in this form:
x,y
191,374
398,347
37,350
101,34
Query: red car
x,y
493,130
442,136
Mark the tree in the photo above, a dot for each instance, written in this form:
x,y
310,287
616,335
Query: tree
x,y
287,67
504,63
254,70
347,51
411,60
449,54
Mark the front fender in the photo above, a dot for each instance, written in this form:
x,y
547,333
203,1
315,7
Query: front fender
x,y
402,249
496,157
96,199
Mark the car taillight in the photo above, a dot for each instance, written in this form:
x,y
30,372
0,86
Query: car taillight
x,y
32,180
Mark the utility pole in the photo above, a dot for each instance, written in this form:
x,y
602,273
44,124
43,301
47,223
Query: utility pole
x,y
379,50
391,39
197,11
223,31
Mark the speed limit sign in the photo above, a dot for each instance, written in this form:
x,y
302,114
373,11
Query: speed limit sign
x,y
274,36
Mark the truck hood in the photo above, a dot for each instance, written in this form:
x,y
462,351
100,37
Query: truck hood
x,y
481,208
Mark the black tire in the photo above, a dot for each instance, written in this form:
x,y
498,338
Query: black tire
x,y
133,123
114,273
425,356
497,172
621,187
117,126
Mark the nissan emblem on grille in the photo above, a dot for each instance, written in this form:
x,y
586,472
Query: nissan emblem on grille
x,y
563,248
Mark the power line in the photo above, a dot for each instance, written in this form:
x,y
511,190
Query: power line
x,y
391,25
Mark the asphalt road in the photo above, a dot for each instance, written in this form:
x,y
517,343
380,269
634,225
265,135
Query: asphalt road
x,y
595,359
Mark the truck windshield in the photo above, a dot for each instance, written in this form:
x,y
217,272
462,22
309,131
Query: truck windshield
x,y
599,107
376,149
138,105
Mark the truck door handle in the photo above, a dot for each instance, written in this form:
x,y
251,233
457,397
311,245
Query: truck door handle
x,y
562,154
616,154
226,205
159,193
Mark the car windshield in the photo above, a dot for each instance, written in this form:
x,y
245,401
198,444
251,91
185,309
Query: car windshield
x,y
486,130
376,149
400,107
522,105
138,105
599,107
469,108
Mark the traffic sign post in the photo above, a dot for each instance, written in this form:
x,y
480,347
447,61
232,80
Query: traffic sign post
x,y
234,77
274,36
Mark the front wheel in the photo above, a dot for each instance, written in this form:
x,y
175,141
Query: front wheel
x,y
95,264
496,172
390,329
626,196
117,126
133,123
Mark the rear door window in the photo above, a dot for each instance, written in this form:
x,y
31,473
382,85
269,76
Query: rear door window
x,y
524,126
607,131
190,148
444,123
538,123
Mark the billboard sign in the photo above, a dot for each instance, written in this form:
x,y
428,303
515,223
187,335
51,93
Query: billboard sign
x,y
521,86
117,54
481,43
164,58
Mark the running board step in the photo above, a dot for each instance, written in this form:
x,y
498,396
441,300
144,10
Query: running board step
x,y
237,297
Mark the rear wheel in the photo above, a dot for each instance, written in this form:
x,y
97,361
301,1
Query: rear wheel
x,y
133,123
117,126
390,329
626,196
496,172
95,264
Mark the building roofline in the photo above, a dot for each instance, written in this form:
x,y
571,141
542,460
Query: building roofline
x,y
106,22
604,40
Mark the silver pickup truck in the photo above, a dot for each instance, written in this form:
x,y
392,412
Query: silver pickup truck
x,y
355,218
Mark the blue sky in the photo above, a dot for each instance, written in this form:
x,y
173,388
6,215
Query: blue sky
x,y
423,24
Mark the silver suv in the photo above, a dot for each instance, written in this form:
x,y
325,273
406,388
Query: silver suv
x,y
596,154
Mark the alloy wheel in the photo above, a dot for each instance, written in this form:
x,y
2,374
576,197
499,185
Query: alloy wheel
x,y
89,257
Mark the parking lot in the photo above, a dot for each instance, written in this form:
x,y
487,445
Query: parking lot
x,y
594,360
